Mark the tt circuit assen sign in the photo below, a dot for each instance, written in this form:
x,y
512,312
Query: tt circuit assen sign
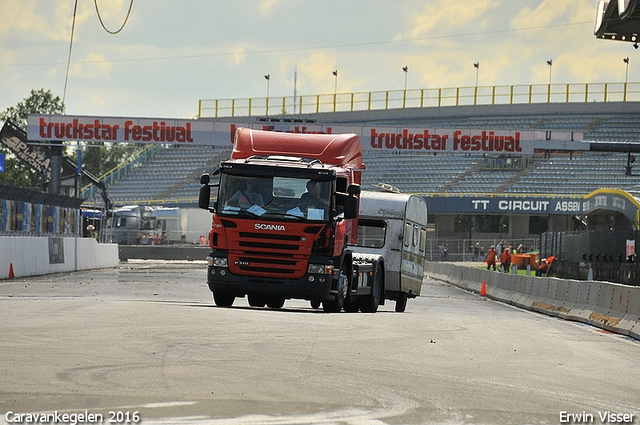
x,y
602,199
376,138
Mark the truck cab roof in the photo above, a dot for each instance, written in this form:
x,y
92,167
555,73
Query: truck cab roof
x,y
343,150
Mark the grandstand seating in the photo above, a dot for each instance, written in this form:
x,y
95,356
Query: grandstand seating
x,y
171,177
425,173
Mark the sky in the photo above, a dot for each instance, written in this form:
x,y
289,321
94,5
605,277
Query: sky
x,y
170,54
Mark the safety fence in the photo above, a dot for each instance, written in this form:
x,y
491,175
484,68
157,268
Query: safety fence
x,y
420,98
463,250
607,255
27,219
609,306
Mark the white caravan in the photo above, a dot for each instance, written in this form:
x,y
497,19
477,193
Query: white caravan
x,y
394,226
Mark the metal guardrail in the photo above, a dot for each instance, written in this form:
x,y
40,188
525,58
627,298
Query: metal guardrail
x,y
414,98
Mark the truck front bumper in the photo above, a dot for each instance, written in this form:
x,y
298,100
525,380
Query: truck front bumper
x,y
310,287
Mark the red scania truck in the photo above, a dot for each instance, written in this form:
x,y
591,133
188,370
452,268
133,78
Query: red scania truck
x,y
285,223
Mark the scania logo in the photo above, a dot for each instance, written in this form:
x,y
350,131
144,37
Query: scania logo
x,y
263,226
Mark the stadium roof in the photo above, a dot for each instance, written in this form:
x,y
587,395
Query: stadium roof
x,y
618,20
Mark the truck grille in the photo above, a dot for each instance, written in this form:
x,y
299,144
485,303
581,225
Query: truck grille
x,y
268,255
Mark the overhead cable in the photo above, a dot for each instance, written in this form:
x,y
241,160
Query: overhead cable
x,y
102,23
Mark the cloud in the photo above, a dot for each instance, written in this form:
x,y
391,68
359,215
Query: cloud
x,y
239,55
267,5
20,18
93,66
550,11
449,15
317,70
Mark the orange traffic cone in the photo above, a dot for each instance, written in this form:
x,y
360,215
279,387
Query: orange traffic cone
x,y
483,290
11,275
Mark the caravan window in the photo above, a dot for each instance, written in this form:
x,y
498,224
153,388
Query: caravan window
x,y
415,235
407,234
423,239
371,233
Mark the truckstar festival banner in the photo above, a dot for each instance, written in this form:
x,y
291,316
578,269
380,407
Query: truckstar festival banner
x,y
215,133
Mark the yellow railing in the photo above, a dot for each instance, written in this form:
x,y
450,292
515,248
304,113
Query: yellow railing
x,y
420,98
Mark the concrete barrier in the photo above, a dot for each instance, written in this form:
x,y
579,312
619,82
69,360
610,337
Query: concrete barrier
x,y
163,252
606,305
29,256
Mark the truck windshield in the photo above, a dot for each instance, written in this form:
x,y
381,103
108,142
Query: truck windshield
x,y
277,197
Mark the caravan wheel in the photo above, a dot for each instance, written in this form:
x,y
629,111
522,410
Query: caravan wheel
x,y
401,302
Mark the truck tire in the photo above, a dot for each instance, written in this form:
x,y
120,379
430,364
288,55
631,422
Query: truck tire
x,y
401,302
371,302
256,300
315,304
275,302
336,304
223,300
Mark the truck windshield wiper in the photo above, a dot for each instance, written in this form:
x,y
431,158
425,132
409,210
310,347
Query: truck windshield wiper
x,y
278,214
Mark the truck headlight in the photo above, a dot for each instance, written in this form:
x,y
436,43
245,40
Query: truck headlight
x,y
319,269
218,261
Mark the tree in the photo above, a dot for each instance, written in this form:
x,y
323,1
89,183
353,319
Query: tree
x,y
40,102
17,173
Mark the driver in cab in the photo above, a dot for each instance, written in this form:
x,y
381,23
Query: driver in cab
x,y
313,198
246,198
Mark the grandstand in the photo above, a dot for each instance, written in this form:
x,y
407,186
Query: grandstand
x,y
171,176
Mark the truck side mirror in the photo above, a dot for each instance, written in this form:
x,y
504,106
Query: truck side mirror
x,y
204,178
350,207
205,197
354,189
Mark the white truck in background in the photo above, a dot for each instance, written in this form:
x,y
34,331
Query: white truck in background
x,y
142,225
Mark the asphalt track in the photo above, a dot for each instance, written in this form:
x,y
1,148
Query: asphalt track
x,y
146,339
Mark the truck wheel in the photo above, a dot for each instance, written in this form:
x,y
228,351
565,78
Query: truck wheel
x,y
315,304
275,302
371,302
256,300
335,305
401,302
223,300
351,305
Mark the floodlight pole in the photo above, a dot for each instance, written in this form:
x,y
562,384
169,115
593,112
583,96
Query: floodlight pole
x,y
268,78
406,73
550,63
335,90
626,77
477,67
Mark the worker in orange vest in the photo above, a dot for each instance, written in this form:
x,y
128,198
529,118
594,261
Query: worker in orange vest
x,y
505,260
490,258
